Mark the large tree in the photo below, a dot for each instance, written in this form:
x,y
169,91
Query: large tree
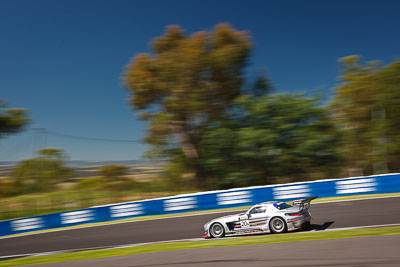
x,y
367,109
269,139
11,120
184,84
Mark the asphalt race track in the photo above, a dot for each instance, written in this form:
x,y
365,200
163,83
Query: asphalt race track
x,y
372,251
328,215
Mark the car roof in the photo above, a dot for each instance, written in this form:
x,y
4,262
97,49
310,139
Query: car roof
x,y
267,203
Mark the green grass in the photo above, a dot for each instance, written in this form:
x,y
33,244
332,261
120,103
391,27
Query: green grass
x,y
153,217
258,239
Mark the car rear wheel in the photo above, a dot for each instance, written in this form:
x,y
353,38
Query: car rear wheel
x,y
217,230
277,225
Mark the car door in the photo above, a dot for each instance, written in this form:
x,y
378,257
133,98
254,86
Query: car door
x,y
243,224
258,217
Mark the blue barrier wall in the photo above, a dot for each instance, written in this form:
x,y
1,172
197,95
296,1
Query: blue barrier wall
x,y
388,183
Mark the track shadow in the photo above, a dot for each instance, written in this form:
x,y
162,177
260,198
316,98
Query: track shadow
x,y
321,227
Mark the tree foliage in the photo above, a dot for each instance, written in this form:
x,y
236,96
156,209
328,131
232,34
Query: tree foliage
x,y
185,83
51,153
42,172
113,172
367,109
114,177
206,121
11,120
271,139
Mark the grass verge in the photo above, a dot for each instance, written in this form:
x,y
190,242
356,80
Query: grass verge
x,y
250,240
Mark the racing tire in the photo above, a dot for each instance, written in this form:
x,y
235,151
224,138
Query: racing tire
x,y
277,225
217,230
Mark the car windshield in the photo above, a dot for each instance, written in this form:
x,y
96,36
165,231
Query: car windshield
x,y
281,205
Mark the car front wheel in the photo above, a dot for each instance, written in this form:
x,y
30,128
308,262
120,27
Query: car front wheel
x,y
277,225
217,230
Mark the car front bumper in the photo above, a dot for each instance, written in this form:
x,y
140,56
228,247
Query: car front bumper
x,y
206,234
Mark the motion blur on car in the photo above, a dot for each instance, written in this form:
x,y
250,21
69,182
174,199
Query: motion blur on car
x,y
267,217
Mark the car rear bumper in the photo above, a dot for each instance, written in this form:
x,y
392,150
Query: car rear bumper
x,y
298,223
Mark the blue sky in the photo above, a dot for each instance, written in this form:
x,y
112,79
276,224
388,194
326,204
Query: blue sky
x,y
63,59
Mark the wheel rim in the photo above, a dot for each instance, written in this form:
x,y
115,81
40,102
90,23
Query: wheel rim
x,y
217,229
277,224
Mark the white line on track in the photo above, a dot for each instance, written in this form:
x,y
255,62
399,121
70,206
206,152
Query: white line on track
x,y
347,200
178,216
171,241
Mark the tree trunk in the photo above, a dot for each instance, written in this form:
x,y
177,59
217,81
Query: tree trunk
x,y
189,149
200,176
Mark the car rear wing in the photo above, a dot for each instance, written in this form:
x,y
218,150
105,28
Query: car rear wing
x,y
304,203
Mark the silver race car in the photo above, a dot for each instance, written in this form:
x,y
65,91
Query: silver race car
x,y
266,217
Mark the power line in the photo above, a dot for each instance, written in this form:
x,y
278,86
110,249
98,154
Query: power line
x,y
17,149
91,138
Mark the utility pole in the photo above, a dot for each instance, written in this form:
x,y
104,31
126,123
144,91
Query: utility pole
x,y
39,139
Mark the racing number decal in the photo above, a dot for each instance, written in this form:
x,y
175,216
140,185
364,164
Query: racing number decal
x,y
244,223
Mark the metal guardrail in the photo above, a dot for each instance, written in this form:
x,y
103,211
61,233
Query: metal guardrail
x,y
388,183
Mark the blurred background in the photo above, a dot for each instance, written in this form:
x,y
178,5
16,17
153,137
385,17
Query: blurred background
x,y
105,102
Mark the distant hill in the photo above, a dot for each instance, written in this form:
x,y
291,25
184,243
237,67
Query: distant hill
x,y
106,162
85,168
